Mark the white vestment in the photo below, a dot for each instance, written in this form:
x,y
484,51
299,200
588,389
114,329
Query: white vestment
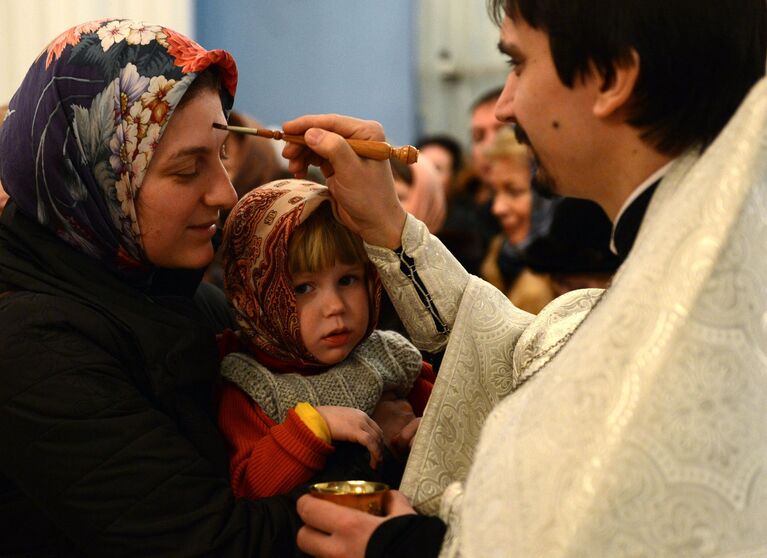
x,y
629,423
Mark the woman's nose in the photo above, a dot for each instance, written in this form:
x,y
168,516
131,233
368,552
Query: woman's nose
x,y
221,193
499,207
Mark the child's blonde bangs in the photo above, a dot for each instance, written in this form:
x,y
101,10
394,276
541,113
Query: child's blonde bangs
x,y
321,241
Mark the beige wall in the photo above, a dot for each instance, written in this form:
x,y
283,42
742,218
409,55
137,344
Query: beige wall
x,y
459,60
27,26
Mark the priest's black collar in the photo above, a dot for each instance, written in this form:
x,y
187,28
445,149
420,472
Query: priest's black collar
x,y
630,216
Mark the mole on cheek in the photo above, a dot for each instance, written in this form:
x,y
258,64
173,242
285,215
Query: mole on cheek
x,y
555,124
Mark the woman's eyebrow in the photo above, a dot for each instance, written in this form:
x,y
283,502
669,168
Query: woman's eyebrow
x,y
188,152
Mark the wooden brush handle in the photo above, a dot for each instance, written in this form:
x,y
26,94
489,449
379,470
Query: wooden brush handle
x,y
369,149
378,150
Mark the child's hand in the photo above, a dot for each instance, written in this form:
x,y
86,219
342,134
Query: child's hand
x,y
353,425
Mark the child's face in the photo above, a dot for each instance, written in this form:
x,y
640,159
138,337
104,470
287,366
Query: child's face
x,y
333,311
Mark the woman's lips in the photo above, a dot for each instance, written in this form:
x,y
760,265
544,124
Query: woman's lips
x,y
207,229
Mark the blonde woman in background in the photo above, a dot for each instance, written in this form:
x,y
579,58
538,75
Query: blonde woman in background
x,y
510,176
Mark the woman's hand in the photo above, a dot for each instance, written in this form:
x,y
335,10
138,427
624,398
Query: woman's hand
x,y
363,188
335,531
353,425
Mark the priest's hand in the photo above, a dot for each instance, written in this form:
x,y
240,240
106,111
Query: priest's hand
x,y
363,188
332,531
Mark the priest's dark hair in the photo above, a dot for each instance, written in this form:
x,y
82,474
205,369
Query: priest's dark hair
x,y
697,58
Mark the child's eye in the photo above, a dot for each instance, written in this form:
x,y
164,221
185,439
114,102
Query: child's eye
x,y
222,154
348,280
303,288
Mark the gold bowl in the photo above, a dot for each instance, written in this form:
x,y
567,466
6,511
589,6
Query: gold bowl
x,y
365,496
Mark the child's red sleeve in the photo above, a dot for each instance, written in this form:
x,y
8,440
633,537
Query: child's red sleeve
x,y
419,395
266,458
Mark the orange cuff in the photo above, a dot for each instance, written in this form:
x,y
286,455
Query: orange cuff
x,y
314,421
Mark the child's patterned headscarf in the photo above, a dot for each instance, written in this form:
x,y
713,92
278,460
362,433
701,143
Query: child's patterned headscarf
x,y
256,274
82,128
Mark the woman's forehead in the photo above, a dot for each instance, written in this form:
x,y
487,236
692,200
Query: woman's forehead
x,y
190,131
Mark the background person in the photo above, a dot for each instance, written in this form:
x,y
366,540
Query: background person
x,y
250,160
470,226
522,215
446,154
484,127
426,198
512,205
575,253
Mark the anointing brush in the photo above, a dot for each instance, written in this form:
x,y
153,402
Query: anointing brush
x,y
370,149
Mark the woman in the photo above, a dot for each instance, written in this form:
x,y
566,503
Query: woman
x,y
108,438
446,154
516,207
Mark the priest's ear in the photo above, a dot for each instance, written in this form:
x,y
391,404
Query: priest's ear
x,y
614,94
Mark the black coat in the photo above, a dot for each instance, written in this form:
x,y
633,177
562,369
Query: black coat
x,y
108,442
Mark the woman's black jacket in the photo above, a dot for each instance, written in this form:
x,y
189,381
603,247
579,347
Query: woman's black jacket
x,y
108,443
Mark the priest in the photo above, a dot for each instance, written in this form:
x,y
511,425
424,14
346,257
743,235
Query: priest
x,y
624,422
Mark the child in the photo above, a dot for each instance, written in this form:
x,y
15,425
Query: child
x,y
312,368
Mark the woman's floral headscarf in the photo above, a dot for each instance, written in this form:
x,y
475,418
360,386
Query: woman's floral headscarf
x,y
256,274
83,126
